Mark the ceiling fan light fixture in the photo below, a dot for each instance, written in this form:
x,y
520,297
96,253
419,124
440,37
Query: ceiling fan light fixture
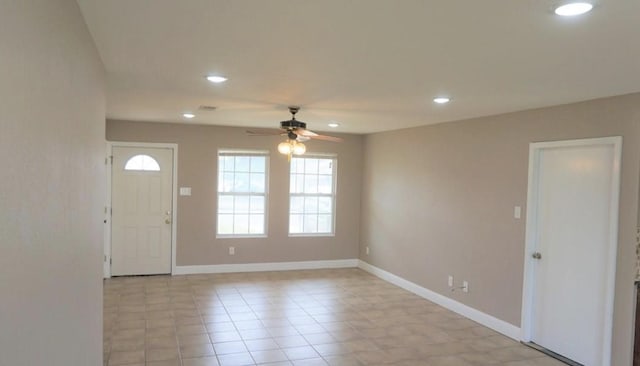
x,y
573,9
299,148
216,79
285,148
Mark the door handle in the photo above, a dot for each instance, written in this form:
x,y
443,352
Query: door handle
x,y
167,221
536,255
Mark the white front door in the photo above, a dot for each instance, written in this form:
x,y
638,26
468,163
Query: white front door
x,y
571,246
141,199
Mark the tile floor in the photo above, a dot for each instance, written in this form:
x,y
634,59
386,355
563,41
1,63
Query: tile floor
x,y
320,317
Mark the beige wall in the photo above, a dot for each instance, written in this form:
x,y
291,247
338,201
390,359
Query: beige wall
x,y
51,186
439,200
197,168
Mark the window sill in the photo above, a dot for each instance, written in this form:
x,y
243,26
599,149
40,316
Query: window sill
x,y
248,236
312,235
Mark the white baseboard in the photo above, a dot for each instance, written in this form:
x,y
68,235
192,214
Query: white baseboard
x,y
264,267
485,319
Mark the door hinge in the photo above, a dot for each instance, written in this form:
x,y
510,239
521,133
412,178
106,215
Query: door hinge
x,y
110,261
105,257
108,159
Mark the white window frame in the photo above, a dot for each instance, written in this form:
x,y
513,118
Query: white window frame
x,y
333,195
236,152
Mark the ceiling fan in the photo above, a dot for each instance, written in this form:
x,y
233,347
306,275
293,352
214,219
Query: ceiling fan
x,y
296,133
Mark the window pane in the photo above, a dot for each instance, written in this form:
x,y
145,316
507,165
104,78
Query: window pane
x,y
241,224
241,182
310,223
312,200
324,223
297,165
325,184
256,204
324,205
310,184
241,213
227,184
311,205
142,162
225,204
311,166
225,224
257,182
227,163
256,224
298,186
258,164
243,163
296,205
241,204
325,166
295,224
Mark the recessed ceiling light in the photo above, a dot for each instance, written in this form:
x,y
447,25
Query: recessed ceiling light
x,y
573,9
188,115
441,100
334,124
216,79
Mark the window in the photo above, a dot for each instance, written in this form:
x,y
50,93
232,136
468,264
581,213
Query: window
x,y
242,187
142,162
312,195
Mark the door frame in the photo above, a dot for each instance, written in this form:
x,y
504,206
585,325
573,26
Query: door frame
x,y
535,149
174,198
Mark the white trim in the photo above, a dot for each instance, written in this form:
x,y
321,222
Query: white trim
x,y
106,264
531,240
174,196
263,267
485,319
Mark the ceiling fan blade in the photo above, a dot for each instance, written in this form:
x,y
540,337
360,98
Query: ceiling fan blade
x,y
325,138
264,132
305,132
315,136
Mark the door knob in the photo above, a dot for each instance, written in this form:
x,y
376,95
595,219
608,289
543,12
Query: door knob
x,y
167,221
536,255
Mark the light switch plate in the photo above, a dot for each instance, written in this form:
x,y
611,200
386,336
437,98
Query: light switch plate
x,y
517,212
185,191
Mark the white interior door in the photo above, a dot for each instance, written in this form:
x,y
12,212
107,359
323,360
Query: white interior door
x,y
141,199
571,247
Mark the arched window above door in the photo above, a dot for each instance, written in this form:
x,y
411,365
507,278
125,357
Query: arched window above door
x,y
142,162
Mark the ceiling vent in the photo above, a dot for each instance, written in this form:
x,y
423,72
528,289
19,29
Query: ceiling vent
x,y
208,108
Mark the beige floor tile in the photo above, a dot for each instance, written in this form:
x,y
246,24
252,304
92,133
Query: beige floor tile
x,y
200,361
342,317
300,353
269,356
189,339
236,359
261,344
172,362
162,354
224,348
196,350
126,357
161,342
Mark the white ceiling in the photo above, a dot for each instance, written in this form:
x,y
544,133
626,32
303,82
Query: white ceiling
x,y
371,65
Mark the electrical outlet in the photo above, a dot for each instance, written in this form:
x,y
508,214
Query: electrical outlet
x,y
232,250
465,286
450,281
367,250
